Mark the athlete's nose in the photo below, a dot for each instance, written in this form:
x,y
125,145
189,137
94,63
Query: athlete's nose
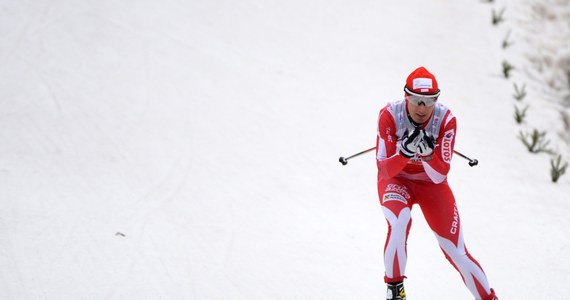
x,y
422,108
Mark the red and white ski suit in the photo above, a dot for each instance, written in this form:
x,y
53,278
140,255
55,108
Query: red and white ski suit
x,y
403,182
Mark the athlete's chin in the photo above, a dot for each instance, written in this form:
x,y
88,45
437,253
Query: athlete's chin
x,y
420,119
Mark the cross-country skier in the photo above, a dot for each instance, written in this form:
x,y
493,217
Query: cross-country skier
x,y
414,148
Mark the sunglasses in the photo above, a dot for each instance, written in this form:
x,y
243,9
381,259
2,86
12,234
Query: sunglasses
x,y
428,101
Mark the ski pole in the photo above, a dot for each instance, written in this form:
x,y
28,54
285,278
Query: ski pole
x,y
472,162
344,160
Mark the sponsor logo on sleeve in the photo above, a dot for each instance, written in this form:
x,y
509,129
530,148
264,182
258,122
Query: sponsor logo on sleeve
x,y
389,134
446,150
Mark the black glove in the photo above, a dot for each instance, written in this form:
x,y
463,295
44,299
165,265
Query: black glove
x,y
426,145
409,144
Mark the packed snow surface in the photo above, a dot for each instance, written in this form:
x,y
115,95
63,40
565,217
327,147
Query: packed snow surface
x,y
188,149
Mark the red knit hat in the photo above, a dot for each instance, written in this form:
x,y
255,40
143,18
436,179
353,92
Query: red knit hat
x,y
421,83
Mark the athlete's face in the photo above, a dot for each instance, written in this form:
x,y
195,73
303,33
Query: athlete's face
x,y
419,112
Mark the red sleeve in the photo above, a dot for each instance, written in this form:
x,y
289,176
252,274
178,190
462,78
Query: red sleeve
x,y
437,165
388,159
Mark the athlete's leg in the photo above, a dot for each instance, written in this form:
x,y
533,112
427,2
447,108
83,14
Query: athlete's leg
x,y
440,210
396,203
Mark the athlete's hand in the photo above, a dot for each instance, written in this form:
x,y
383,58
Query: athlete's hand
x,y
409,143
426,145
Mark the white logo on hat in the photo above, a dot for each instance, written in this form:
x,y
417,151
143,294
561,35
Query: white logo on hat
x,y
422,83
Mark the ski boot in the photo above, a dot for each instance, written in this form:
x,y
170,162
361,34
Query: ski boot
x,y
396,291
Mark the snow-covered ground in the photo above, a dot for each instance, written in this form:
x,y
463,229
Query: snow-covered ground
x,y
188,149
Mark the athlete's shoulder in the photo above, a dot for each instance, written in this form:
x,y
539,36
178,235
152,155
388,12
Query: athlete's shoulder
x,y
391,109
442,106
393,106
397,103
388,113
446,113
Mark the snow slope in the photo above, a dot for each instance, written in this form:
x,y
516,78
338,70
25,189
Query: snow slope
x,y
188,150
